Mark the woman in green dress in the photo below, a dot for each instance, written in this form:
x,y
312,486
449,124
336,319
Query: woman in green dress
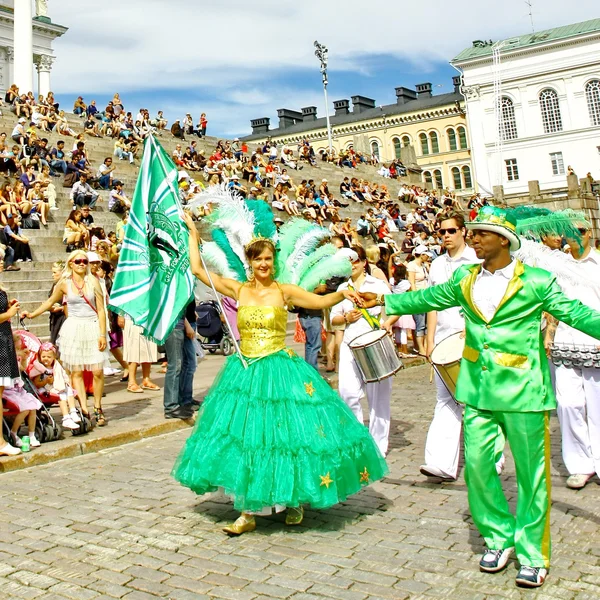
x,y
273,434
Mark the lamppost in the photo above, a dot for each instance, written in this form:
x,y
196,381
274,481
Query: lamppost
x,y
321,53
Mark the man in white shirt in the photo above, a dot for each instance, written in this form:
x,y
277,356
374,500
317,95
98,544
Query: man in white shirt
x,y
578,389
443,439
351,386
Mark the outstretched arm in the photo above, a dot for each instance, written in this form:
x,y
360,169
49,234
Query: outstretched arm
x,y
438,297
227,287
56,298
299,297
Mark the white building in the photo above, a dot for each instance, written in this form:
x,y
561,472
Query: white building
x,y
533,107
26,37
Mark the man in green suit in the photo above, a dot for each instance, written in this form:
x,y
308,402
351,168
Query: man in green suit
x,y
504,382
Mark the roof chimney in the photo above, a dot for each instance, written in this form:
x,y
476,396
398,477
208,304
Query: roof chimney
x,y
309,113
288,117
424,90
457,83
404,95
362,103
260,126
342,107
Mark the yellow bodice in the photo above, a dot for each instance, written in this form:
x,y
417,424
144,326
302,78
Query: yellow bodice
x,y
262,329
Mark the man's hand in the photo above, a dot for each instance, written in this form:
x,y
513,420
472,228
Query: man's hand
x,y
353,297
189,332
353,316
369,299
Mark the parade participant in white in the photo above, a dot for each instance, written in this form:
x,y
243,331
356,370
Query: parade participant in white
x,y
578,389
351,386
443,439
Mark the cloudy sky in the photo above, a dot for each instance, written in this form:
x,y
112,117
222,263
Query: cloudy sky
x,y
240,60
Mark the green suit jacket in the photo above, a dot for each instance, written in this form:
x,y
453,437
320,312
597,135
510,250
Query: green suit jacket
x,y
504,366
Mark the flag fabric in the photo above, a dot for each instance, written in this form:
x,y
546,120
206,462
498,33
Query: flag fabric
x,y
153,283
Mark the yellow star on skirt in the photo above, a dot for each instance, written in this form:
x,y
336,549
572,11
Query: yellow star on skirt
x,y
364,476
289,352
310,388
326,480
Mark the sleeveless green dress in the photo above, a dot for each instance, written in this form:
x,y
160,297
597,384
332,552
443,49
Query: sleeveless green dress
x,y
276,434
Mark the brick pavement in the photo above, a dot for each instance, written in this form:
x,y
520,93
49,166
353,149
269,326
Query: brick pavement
x,y
115,525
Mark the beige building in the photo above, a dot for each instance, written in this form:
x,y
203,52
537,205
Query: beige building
x,y
428,133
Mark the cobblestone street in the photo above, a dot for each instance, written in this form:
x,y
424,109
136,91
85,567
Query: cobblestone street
x,y
115,525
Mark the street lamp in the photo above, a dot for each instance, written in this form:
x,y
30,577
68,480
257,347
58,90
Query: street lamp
x,y
321,53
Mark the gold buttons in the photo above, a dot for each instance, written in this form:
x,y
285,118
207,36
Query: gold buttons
x,y
488,326
484,368
485,346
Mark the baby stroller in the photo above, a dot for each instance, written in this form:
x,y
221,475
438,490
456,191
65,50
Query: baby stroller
x,y
45,422
212,331
46,428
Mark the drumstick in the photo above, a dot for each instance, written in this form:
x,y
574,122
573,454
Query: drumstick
x,y
431,374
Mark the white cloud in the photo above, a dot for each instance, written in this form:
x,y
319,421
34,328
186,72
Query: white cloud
x,y
236,48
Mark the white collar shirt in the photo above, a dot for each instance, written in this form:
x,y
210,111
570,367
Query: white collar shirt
x,y
353,330
489,288
451,320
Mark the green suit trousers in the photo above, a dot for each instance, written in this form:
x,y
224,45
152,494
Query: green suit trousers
x,y
529,437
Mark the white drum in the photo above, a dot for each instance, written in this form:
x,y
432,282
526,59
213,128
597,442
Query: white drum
x,y
446,357
375,355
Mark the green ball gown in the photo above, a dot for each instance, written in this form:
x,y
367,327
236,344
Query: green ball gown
x,y
275,434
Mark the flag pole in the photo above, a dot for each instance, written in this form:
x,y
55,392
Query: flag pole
x,y
212,285
218,296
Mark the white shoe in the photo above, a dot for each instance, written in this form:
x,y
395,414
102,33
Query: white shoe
x,y
55,208
493,561
531,577
578,481
16,440
430,471
9,450
500,465
69,423
74,416
110,372
33,441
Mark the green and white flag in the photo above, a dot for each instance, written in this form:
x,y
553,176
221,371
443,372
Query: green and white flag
x,y
153,283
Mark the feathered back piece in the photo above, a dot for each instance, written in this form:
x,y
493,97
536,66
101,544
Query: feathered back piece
x,y
535,223
303,255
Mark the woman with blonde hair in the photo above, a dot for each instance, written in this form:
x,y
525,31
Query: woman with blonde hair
x,y
82,338
373,256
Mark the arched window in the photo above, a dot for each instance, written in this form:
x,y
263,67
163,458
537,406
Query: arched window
x,y
397,146
427,177
406,141
508,123
456,178
424,144
435,145
375,148
437,180
452,139
592,93
466,173
550,109
462,137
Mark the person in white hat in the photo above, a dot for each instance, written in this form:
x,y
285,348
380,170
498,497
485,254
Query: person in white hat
x,y
351,386
418,277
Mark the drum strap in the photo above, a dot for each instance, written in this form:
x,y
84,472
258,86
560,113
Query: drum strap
x,y
371,320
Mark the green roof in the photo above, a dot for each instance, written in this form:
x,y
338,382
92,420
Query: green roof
x,y
481,49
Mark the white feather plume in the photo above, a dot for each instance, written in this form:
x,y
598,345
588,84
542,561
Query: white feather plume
x,y
568,271
216,260
305,245
213,194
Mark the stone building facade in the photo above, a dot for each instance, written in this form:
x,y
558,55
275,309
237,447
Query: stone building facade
x,y
427,132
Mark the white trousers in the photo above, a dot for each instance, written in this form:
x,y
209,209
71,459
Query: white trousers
x,y
442,447
352,388
578,396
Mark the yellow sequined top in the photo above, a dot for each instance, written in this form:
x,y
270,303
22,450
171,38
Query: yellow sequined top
x,y
262,330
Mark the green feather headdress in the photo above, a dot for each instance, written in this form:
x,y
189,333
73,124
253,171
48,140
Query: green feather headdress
x,y
304,256
536,223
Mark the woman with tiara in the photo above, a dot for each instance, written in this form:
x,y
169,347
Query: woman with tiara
x,y
271,432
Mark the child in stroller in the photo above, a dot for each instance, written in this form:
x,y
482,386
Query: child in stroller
x,y
20,404
52,382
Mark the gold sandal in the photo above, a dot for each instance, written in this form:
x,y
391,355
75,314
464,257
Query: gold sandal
x,y
294,515
243,524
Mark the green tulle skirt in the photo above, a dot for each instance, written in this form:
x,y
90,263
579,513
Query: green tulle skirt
x,y
277,434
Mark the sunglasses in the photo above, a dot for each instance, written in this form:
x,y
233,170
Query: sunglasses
x,y
582,230
449,231
80,261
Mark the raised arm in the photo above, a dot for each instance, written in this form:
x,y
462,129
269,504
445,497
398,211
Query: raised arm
x,y
223,285
438,297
